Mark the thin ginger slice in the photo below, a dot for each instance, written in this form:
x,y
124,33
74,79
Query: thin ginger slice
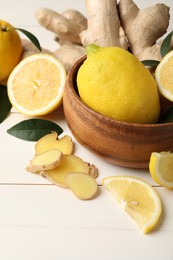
x,y
68,163
45,161
82,185
51,141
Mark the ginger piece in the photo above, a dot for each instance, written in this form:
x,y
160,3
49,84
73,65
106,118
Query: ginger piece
x,y
93,171
143,27
68,163
45,161
103,24
82,185
29,49
65,29
68,54
51,141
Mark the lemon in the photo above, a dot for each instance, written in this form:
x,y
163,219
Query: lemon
x,y
36,85
10,49
164,76
138,198
115,83
160,166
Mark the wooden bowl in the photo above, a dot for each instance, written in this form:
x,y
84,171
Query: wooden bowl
x,y
120,143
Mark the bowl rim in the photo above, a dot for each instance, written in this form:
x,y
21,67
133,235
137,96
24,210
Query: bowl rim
x,y
72,75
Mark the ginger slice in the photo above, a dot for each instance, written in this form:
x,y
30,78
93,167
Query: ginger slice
x,y
82,185
51,141
45,161
68,163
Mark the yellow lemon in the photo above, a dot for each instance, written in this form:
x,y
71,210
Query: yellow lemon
x,y
115,83
36,85
10,49
160,166
164,76
138,198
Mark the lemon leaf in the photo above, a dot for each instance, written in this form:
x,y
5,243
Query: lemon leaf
x,y
33,129
150,63
166,45
5,103
168,116
31,37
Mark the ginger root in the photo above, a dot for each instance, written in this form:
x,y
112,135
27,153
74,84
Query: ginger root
x,y
109,23
82,185
65,29
51,141
103,24
143,27
53,160
68,54
68,163
45,161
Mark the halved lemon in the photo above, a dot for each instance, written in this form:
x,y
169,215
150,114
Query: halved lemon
x,y
36,85
164,76
138,198
161,168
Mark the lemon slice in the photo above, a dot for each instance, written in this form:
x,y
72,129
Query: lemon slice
x,y
161,165
36,85
138,199
164,76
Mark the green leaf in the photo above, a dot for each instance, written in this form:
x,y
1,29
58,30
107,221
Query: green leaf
x,y
31,37
166,45
168,116
150,63
5,105
33,129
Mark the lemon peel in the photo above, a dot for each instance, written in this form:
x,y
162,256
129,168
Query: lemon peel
x,y
113,82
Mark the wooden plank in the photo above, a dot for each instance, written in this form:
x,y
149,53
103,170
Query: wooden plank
x,y
46,222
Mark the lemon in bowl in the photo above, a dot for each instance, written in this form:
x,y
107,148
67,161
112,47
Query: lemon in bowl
x,y
115,83
123,143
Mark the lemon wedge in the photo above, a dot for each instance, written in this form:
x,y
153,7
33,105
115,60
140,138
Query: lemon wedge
x,y
160,166
138,198
164,76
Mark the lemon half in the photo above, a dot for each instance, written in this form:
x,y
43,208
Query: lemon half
x,y
36,85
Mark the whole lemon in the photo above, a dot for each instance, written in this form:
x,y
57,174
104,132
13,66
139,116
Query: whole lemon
x,y
10,49
115,83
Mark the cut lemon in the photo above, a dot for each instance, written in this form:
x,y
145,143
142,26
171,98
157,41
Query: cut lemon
x,y
138,199
161,165
36,85
164,76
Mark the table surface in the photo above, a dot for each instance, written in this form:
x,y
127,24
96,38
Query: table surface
x,y
41,221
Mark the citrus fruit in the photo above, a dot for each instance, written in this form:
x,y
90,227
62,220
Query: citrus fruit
x,y
160,166
138,199
115,83
36,85
10,49
164,76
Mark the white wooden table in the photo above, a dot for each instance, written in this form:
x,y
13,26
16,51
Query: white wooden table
x,y
39,221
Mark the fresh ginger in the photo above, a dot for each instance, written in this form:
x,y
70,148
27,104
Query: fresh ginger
x,y
143,27
82,185
64,28
51,141
68,163
45,161
109,23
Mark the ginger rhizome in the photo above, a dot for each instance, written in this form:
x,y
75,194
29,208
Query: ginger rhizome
x,y
108,23
54,160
